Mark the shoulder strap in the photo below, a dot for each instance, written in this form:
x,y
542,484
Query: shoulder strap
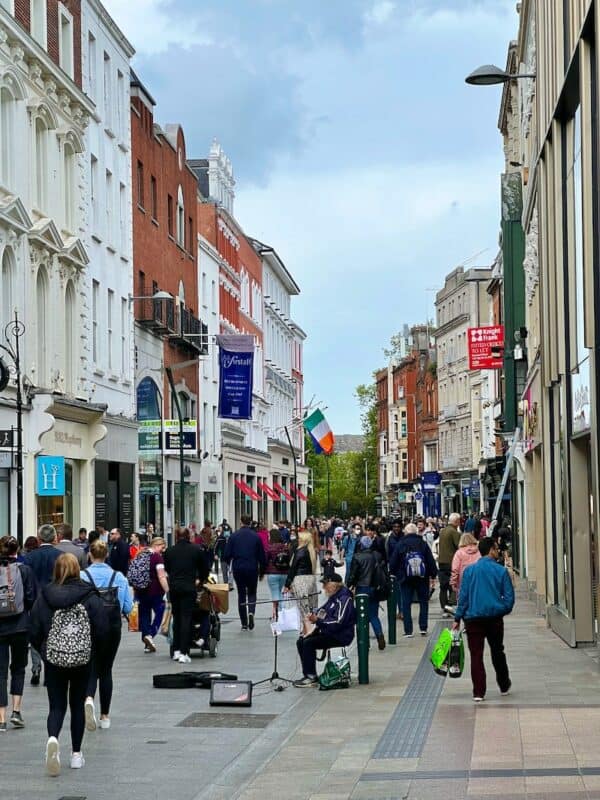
x,y
91,580
112,578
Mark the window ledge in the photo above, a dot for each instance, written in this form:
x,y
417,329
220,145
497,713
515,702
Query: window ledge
x,y
141,208
126,382
124,259
111,248
124,147
113,378
97,238
110,133
99,373
154,221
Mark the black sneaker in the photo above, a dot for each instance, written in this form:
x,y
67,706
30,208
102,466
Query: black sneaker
x,y
35,677
244,627
251,621
306,683
17,720
2,727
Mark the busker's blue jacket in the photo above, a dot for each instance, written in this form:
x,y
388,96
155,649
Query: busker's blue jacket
x,y
337,617
486,590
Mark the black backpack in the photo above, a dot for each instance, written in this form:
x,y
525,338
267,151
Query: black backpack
x,y
110,599
381,581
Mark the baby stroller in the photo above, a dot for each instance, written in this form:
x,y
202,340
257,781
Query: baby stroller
x,y
211,600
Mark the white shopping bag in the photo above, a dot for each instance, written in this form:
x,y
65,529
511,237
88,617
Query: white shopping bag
x,y
289,618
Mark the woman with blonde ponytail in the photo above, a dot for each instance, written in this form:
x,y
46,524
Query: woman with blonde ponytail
x,y
302,578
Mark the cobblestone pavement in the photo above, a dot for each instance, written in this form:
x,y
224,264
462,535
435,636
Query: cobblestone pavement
x,y
389,739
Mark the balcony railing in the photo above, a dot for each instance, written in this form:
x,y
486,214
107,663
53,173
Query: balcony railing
x,y
190,332
156,315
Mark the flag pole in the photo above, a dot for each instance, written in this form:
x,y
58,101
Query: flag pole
x,y
328,486
295,503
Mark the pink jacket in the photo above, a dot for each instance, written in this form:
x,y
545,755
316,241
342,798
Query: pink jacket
x,y
463,558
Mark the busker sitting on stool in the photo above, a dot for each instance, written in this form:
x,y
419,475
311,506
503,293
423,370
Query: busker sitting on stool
x,y
331,626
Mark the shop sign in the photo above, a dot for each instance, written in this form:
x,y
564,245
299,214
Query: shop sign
x,y
50,476
431,481
6,438
529,410
580,394
486,347
171,431
150,436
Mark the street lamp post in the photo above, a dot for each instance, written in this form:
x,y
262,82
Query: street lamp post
x,y
16,329
169,372
490,75
295,503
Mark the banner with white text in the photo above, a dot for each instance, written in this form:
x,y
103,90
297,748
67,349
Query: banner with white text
x,y
236,371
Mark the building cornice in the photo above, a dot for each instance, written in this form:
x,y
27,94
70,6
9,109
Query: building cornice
x,y
112,28
26,55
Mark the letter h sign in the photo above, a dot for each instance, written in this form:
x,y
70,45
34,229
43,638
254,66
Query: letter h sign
x,y
50,476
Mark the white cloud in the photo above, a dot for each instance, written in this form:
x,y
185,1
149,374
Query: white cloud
x,y
150,28
380,12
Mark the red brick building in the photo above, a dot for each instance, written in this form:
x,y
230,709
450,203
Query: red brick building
x,y
164,252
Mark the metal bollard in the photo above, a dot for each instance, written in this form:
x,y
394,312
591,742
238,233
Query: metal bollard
x,y
362,636
392,604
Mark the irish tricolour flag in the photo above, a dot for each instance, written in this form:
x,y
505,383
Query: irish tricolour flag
x,y
320,432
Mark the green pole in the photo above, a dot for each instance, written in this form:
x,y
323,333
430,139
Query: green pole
x,y
362,636
391,609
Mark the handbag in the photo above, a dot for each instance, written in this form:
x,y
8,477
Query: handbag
x,y
288,618
456,656
133,620
335,675
440,652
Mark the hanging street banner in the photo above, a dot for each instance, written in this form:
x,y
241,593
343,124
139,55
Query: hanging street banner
x,y
486,347
236,369
171,428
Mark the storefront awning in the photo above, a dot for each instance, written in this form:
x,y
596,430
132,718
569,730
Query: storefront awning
x,y
300,495
247,490
268,491
287,495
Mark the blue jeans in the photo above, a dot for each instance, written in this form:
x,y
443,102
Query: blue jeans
x,y
407,591
149,605
373,609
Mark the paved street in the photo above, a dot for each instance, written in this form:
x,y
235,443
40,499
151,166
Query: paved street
x,y
392,739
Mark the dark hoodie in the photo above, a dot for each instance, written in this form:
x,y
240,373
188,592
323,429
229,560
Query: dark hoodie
x,y
54,596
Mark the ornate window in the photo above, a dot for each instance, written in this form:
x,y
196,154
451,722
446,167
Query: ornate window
x,y
70,338
42,325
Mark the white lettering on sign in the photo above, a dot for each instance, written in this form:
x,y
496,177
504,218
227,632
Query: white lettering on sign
x,y
236,361
49,478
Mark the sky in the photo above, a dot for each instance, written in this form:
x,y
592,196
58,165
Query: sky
x,y
359,152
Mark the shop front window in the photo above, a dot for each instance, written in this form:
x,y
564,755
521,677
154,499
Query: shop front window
x,y
54,510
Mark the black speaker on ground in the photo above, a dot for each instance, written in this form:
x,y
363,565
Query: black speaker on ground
x,y
231,693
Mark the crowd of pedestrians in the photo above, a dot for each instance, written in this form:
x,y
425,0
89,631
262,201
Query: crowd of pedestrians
x,y
64,599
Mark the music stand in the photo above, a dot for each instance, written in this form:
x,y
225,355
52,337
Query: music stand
x,y
275,676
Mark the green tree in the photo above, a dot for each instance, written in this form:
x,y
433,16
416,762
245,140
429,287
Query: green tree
x,y
366,465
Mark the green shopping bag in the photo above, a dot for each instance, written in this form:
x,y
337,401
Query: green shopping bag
x,y
441,651
335,675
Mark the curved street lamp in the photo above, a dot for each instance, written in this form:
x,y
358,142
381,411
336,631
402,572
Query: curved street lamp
x,y
490,75
15,330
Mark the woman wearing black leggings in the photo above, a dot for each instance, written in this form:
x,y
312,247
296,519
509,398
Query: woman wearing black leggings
x,y
67,684
14,619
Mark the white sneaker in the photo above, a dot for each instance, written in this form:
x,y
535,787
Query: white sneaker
x,y
77,761
104,724
176,655
90,716
52,757
478,699
183,659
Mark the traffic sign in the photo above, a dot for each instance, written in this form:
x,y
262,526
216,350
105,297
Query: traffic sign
x,y
486,347
6,438
418,496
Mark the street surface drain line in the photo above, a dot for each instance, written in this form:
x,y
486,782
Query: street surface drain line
x,y
409,725
465,774
208,720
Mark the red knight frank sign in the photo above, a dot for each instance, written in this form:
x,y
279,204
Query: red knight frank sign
x,y
486,347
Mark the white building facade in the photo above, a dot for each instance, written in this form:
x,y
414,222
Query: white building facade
x,y
211,475
106,55
43,265
461,304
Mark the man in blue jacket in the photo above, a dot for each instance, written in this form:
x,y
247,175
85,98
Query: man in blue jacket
x,y
486,596
334,627
245,553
